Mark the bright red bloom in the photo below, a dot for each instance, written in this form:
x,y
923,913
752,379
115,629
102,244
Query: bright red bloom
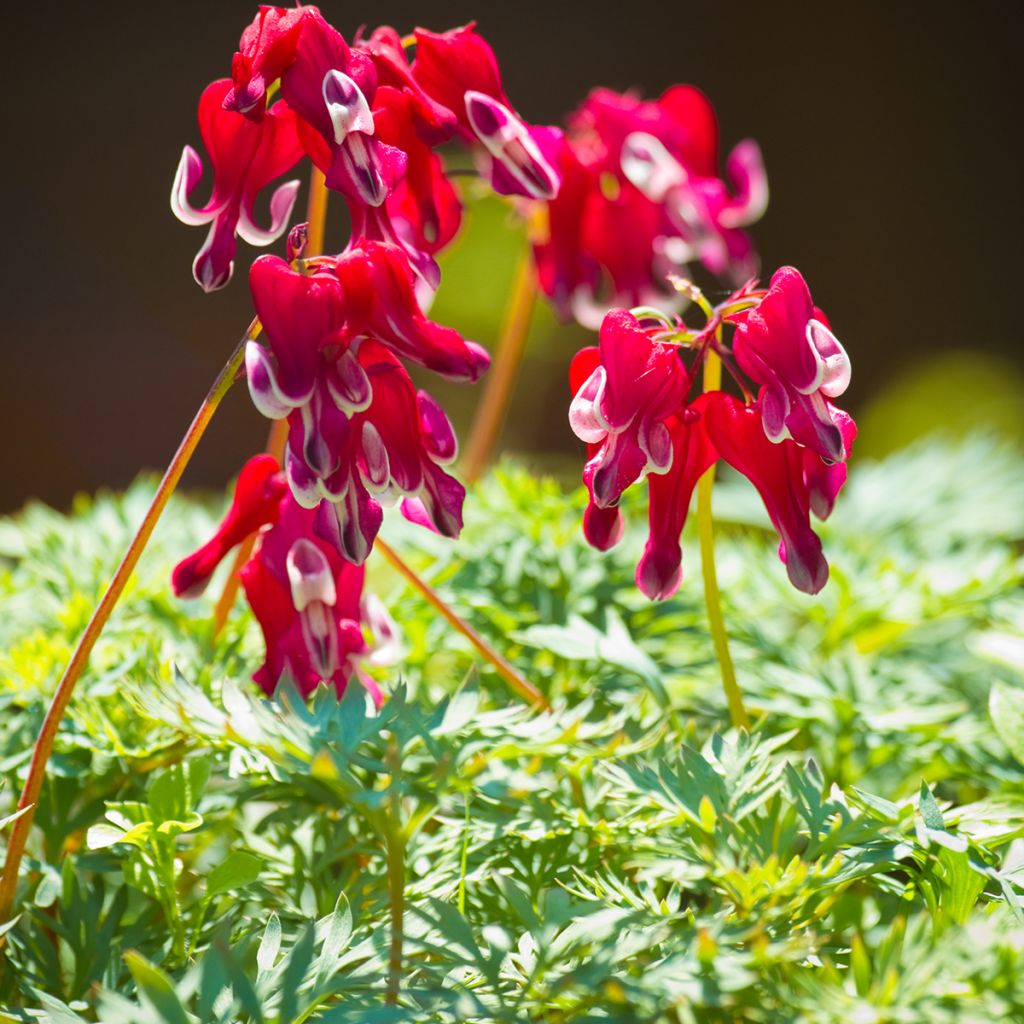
x,y
266,48
630,408
258,495
659,572
436,122
360,434
778,471
424,202
641,198
307,599
620,409
458,69
785,345
246,156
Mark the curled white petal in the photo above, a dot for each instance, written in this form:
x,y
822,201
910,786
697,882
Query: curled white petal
x,y
650,166
264,389
281,204
190,170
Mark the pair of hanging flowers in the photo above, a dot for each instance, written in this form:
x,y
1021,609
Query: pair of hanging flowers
x,y
623,204
633,408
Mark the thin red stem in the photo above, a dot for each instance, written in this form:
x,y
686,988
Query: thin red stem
x,y
501,380
525,689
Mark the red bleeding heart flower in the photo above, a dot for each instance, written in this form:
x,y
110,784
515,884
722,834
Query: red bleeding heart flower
x,y
785,345
631,407
266,48
246,156
459,71
308,600
641,198
359,432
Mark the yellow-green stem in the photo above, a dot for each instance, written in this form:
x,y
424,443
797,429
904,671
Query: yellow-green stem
x,y
395,841
525,689
501,380
80,657
712,598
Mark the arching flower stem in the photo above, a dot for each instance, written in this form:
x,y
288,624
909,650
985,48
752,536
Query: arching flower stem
x,y
500,383
79,659
523,687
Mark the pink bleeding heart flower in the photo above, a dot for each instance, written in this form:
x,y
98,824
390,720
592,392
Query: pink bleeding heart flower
x,y
424,205
266,48
246,156
308,600
642,383
779,473
621,407
458,70
435,122
785,345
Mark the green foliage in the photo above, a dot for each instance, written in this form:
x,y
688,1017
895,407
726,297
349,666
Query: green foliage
x,y
205,854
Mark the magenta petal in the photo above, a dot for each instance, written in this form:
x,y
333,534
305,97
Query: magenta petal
x,y
348,384
442,498
777,331
659,572
777,471
436,430
350,525
215,262
603,527
416,512
525,159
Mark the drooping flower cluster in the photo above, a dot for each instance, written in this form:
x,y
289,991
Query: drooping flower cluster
x,y
641,197
308,601
369,118
633,408
338,327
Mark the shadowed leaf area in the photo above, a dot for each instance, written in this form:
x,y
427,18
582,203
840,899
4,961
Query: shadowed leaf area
x,y
202,853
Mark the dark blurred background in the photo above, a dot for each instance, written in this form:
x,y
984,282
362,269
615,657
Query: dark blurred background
x,y
890,133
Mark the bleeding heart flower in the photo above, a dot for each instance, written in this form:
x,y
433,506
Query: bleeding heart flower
x,y
785,345
246,156
307,599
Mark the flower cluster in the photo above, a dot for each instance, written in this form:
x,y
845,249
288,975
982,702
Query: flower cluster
x,y
337,328
641,197
370,119
633,408
308,600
